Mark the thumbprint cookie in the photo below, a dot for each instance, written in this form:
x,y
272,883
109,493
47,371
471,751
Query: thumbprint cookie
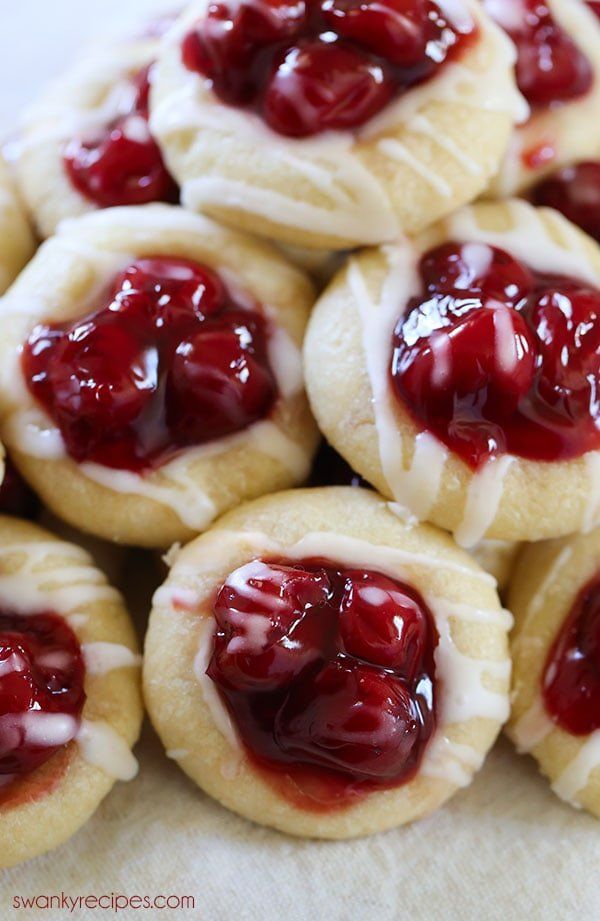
x,y
319,666
17,245
86,143
327,124
558,73
458,373
70,702
151,373
555,597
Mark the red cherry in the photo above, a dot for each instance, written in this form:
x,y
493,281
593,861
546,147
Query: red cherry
x,y
41,673
566,319
382,623
575,191
552,70
485,358
313,67
298,102
269,628
571,683
163,290
101,377
216,386
493,357
396,30
476,269
123,167
550,66
224,46
123,164
353,718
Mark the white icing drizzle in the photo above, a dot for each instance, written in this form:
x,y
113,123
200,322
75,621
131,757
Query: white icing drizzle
x,y
396,150
462,679
575,777
422,125
101,745
35,727
230,766
484,495
352,203
451,761
415,489
64,589
532,727
101,658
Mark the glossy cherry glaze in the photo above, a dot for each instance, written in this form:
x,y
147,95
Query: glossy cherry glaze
x,y
170,360
571,679
41,673
319,65
328,674
121,164
16,498
494,358
551,69
575,191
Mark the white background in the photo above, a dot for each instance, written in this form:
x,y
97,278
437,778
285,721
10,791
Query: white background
x,y
38,38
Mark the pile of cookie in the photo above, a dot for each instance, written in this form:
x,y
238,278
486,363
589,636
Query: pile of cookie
x,y
308,295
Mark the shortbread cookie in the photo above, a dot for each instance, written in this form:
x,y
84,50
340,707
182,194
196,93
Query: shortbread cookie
x,y
151,373
558,72
555,597
320,667
458,373
70,703
86,144
368,122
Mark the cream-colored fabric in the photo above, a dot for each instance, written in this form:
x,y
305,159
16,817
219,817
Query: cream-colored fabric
x,y
504,849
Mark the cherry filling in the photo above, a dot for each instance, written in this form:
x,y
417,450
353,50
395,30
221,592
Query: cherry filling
x,y
328,674
550,67
41,690
170,361
571,680
495,358
121,164
575,191
308,66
